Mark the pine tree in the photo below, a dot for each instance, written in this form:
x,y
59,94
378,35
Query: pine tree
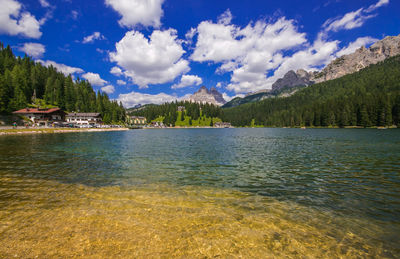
x,y
364,121
388,115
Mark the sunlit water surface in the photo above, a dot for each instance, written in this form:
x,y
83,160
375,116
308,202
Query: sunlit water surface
x,y
260,193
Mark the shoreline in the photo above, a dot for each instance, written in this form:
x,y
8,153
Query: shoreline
x,y
53,130
271,127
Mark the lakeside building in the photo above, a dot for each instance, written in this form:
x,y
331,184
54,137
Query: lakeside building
x,y
137,120
42,116
222,125
89,118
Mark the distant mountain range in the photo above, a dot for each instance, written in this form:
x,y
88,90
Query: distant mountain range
x,y
212,96
346,64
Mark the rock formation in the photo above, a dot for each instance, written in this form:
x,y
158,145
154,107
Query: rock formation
x,y
292,79
361,58
212,96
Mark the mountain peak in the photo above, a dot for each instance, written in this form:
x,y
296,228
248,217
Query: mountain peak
x,y
292,79
361,58
202,89
212,96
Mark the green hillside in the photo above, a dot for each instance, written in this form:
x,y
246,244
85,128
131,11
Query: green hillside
x,y
370,97
261,96
192,114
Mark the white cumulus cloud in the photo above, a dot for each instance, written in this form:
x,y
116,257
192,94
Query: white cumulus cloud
x,y
155,60
121,82
226,17
116,71
94,79
109,89
35,50
221,42
14,21
320,53
249,52
353,46
134,98
66,70
95,36
188,80
133,12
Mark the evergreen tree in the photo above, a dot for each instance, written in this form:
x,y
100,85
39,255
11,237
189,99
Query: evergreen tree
x,y
364,117
21,78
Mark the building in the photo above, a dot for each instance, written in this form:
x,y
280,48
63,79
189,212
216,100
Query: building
x,y
181,108
137,120
89,118
42,116
222,125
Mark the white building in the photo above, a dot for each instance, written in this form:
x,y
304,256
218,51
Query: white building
x,y
84,118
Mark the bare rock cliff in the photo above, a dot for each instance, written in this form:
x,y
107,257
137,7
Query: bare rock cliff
x,y
292,79
363,57
203,95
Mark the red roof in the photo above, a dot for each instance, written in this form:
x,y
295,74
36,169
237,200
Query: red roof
x,y
36,110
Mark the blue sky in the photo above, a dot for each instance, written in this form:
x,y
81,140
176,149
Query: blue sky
x,y
152,51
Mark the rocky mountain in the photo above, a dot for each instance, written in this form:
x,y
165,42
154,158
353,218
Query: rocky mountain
x,y
346,64
363,57
212,96
292,79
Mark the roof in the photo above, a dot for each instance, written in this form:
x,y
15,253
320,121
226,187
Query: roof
x,y
84,114
37,110
138,117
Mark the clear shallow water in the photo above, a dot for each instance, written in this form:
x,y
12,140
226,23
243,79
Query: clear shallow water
x,y
201,192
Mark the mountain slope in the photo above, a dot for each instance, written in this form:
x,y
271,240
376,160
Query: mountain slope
x,y
344,65
260,96
361,58
370,97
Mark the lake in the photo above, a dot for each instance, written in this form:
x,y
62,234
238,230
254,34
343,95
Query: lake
x,y
201,193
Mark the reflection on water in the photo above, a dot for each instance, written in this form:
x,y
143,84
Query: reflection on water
x,y
201,193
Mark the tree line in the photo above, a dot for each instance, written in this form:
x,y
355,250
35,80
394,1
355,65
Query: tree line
x,y
24,82
370,97
169,112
